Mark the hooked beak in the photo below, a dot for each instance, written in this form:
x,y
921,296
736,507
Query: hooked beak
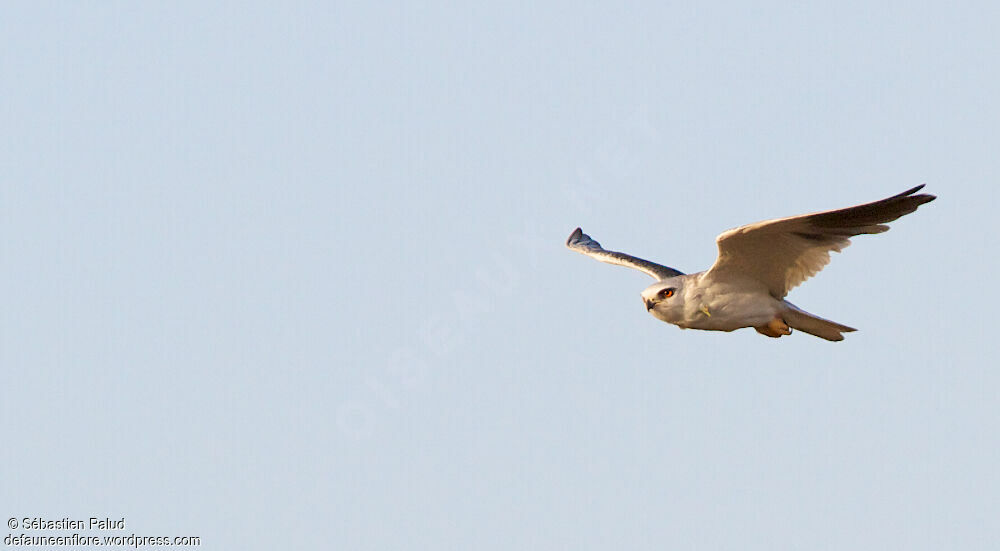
x,y
649,304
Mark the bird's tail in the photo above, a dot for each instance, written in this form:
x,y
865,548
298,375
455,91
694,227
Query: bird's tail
x,y
797,318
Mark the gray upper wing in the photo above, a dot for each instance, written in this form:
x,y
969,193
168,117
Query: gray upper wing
x,y
584,244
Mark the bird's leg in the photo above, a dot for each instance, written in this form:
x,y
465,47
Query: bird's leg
x,y
775,328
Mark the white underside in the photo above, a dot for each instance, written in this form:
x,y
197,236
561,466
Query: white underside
x,y
720,306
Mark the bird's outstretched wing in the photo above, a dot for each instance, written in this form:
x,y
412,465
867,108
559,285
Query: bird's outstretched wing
x,y
582,243
784,252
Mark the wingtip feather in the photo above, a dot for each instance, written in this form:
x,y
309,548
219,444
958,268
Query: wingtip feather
x,y
924,197
575,236
910,191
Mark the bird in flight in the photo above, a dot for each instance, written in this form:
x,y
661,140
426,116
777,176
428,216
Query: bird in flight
x,y
758,265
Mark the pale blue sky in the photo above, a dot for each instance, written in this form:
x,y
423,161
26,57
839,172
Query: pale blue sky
x,y
288,276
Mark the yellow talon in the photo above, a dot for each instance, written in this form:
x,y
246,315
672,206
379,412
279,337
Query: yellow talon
x,y
705,310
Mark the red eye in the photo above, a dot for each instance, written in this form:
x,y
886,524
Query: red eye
x,y
666,293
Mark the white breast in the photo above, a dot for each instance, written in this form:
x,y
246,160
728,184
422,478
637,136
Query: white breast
x,y
727,305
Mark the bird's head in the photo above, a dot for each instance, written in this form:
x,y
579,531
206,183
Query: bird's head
x,y
663,299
